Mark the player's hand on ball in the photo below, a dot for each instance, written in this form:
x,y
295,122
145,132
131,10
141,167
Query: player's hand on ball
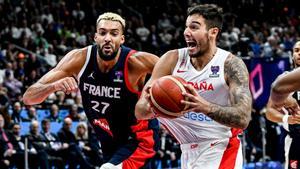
x,y
67,85
195,102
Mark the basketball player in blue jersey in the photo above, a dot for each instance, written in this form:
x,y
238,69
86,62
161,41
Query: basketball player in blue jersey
x,y
208,130
281,89
110,78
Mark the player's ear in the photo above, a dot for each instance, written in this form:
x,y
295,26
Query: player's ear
x,y
122,39
214,31
95,36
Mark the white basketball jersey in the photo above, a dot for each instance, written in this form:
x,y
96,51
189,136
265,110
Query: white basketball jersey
x,y
210,84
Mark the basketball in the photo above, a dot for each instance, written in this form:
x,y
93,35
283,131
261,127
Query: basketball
x,y
165,96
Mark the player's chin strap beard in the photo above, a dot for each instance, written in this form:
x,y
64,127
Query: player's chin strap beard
x,y
107,57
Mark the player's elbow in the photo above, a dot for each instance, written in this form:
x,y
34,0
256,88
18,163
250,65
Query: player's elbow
x,y
278,88
27,100
245,122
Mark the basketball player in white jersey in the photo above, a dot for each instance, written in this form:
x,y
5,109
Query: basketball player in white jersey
x,y
220,103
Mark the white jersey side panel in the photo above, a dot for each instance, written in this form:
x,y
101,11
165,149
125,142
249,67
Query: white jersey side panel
x,y
210,84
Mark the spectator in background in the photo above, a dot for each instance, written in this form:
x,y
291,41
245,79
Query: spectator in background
x,y
169,152
60,101
30,79
142,32
18,146
13,85
256,46
32,114
4,99
270,47
74,114
67,137
16,114
18,143
35,139
32,63
154,40
6,116
6,147
87,144
54,114
50,57
54,148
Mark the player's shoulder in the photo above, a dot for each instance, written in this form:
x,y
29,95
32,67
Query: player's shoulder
x,y
233,60
73,60
141,57
81,52
171,55
235,69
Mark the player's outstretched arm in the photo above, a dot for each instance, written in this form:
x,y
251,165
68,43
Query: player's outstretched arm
x,y
61,78
284,85
237,115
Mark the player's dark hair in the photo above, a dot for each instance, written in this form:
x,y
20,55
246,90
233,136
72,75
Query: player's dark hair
x,y
212,14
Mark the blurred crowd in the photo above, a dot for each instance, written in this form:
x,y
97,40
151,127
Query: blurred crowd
x,y
35,35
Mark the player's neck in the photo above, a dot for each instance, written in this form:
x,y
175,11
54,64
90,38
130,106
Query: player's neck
x,y
200,62
106,66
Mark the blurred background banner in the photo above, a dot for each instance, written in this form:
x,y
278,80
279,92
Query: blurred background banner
x,y
263,71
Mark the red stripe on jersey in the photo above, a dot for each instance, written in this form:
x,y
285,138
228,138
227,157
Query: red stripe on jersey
x,y
128,85
230,154
145,149
235,131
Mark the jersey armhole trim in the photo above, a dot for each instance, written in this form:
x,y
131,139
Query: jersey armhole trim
x,y
127,83
87,59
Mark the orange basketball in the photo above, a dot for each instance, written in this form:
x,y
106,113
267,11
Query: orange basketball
x,y
165,95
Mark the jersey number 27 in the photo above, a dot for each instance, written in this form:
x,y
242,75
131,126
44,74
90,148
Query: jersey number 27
x,y
96,106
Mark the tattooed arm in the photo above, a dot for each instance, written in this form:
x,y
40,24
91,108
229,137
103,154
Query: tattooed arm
x,y
238,114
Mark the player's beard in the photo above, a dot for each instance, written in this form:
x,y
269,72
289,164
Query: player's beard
x,y
107,57
203,48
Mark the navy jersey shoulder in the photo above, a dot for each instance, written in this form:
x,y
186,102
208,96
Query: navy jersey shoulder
x,y
295,128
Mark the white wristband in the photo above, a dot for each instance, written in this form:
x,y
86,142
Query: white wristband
x,y
285,119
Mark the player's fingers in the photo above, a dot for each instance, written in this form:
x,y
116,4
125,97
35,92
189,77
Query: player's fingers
x,y
191,89
190,97
148,97
147,90
67,86
295,120
188,103
72,83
